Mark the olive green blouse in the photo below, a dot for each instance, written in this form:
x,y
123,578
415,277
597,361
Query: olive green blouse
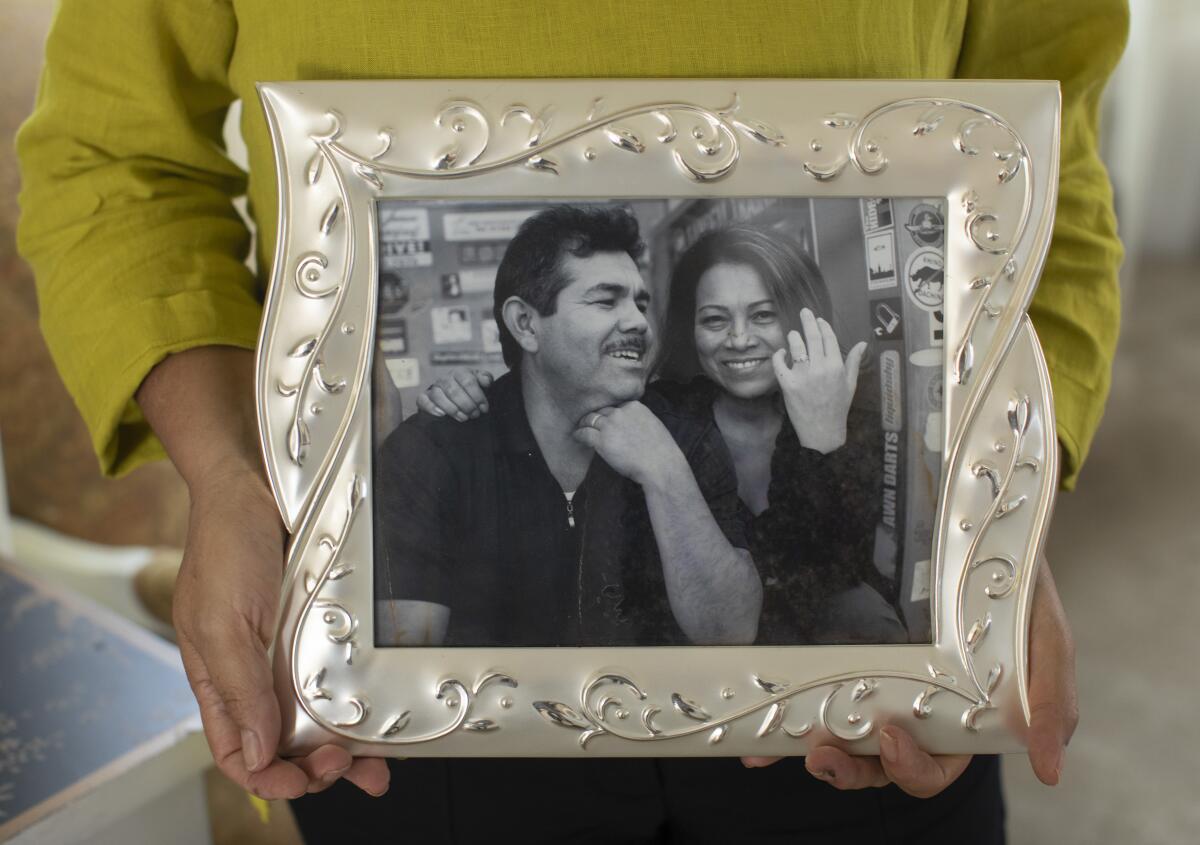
x,y
127,214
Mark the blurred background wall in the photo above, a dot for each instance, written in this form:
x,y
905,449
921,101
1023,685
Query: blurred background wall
x,y
1124,548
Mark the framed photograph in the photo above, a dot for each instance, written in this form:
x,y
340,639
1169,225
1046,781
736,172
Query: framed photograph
x,y
657,417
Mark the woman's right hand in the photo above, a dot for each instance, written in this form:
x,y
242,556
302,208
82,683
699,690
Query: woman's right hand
x,y
818,386
459,395
224,608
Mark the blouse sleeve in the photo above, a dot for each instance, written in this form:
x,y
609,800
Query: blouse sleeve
x,y
817,536
127,214
1076,309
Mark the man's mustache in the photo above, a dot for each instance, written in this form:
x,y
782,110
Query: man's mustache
x,y
633,343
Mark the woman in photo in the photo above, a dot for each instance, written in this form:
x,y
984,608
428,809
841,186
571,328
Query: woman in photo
x,y
748,346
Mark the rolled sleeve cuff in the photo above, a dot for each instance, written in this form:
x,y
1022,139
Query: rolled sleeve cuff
x,y
121,437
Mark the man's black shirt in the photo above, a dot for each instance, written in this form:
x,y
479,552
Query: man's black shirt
x,y
468,515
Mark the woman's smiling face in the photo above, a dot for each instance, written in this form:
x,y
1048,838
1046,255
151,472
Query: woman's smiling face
x,y
738,328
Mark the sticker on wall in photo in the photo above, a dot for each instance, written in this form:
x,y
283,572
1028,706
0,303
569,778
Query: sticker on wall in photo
x,y
455,357
885,319
393,336
393,292
881,261
926,358
926,225
485,225
490,333
404,237
933,391
924,277
892,414
937,328
450,325
920,581
472,253
933,432
405,372
477,279
451,286
399,255
891,480
876,213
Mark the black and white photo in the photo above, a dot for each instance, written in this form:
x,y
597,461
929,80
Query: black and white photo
x,y
674,426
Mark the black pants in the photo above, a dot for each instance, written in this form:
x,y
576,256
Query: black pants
x,y
646,801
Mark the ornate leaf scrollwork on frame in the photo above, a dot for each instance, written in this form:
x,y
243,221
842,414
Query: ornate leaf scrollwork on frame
x,y
601,709
823,168
456,696
982,224
1004,569
710,152
459,700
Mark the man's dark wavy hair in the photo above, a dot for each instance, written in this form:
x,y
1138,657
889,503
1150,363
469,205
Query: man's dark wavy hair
x,y
532,265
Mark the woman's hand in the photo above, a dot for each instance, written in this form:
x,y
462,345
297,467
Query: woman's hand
x,y
224,607
1053,715
458,395
200,403
818,386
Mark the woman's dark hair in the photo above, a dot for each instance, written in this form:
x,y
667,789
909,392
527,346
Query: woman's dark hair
x,y
788,273
532,265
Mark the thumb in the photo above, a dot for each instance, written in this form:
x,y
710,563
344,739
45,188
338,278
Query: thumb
x,y
854,364
241,679
1053,699
588,436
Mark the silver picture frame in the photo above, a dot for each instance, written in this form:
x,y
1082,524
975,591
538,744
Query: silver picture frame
x,y
989,149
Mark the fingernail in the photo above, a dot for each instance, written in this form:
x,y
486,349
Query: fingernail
x,y
438,412
460,416
827,775
889,747
251,750
378,794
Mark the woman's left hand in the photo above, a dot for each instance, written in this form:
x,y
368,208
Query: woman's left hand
x,y
1053,715
818,386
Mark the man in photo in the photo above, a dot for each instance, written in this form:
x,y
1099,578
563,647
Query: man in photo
x,y
570,513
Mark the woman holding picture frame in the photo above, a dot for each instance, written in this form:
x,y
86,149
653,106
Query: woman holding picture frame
x,y
129,223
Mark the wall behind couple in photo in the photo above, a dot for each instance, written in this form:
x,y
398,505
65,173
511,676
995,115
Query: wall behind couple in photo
x,y
882,259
